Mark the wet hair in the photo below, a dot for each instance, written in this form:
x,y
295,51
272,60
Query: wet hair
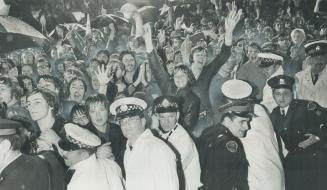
x,y
185,69
76,79
98,98
49,97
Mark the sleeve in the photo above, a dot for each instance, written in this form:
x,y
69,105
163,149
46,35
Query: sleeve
x,y
191,113
113,174
161,76
212,68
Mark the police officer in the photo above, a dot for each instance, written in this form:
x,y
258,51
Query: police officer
x,y
166,108
149,162
19,171
223,161
301,125
311,83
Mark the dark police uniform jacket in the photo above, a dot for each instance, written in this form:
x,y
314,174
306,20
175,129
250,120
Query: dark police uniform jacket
x,y
304,168
223,161
25,172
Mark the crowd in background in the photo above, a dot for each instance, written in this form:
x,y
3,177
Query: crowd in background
x,y
187,50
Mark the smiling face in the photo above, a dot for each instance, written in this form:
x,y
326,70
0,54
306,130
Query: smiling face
x,y
283,97
199,58
180,79
77,90
297,37
129,62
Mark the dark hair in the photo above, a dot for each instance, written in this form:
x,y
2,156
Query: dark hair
x,y
104,51
75,79
255,46
77,108
49,97
15,140
21,79
98,98
188,72
57,83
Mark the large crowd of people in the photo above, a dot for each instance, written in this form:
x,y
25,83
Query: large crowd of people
x,y
165,95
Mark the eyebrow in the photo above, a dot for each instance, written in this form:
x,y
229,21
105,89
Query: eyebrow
x,y
34,99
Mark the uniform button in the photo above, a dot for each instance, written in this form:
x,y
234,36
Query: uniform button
x,y
314,154
1,178
285,129
298,132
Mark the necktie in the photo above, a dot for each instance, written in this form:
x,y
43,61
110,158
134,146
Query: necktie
x,y
315,78
283,113
69,175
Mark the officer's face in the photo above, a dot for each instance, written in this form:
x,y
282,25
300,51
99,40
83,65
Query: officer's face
x,y
239,126
98,114
168,120
132,127
38,107
318,64
72,157
283,97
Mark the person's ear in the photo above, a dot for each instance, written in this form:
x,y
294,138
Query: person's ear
x,y
177,115
143,121
85,155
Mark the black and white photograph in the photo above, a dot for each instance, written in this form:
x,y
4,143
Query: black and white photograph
x,y
163,95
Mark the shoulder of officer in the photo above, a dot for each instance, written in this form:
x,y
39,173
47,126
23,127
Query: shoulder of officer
x,y
222,139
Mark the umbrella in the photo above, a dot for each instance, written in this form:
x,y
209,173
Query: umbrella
x,y
102,21
16,34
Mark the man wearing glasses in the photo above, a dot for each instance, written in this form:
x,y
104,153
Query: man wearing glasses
x,y
149,163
